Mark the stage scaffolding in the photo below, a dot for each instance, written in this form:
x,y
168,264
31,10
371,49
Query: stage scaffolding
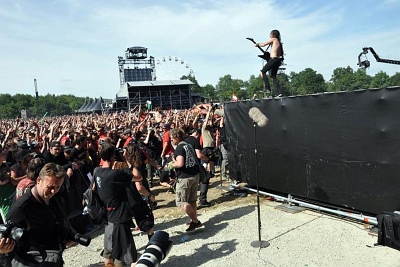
x,y
139,87
164,94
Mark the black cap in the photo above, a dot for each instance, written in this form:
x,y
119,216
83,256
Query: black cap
x,y
195,130
55,144
22,144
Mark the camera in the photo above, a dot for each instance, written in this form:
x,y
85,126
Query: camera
x,y
81,239
156,250
9,230
119,154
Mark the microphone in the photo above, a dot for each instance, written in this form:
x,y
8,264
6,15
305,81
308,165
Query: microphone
x,y
258,117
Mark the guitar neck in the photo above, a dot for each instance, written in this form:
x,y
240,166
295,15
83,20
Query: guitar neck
x,y
265,55
254,42
262,50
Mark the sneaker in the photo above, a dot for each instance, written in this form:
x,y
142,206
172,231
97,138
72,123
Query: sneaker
x,y
267,91
193,226
204,204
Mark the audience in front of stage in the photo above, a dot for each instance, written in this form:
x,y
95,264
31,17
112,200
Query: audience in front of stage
x,y
73,142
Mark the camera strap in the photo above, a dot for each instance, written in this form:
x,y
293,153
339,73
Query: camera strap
x,y
58,227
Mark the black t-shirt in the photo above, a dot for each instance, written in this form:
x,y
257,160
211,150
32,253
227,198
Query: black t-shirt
x,y
194,142
111,186
60,159
190,168
44,224
78,154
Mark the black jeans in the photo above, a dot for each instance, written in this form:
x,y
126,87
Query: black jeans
x,y
272,67
204,189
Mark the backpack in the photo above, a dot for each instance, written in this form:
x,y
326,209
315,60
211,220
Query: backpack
x,y
389,230
92,203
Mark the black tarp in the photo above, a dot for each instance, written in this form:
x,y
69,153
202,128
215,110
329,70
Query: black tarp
x,y
83,106
88,104
340,148
96,107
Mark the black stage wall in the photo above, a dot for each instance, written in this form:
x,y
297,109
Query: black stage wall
x,y
337,148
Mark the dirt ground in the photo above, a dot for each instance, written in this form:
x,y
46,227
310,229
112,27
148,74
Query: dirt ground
x,y
218,194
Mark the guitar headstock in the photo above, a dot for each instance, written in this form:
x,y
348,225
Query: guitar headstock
x,y
251,39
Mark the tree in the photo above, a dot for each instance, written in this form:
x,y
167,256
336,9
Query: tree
x,y
380,80
307,81
254,85
7,109
342,79
208,91
196,88
395,79
361,80
284,80
227,86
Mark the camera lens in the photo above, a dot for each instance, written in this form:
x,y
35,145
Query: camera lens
x,y
82,240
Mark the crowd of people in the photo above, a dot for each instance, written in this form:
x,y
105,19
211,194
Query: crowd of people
x,y
46,165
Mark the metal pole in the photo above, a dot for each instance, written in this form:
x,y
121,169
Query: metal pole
x,y
37,97
290,199
259,243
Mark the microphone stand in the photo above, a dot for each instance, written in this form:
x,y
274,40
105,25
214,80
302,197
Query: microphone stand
x,y
258,243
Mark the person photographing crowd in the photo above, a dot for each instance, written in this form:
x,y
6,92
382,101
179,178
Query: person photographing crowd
x,y
39,213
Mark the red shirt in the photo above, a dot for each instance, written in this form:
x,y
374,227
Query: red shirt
x,y
23,186
166,139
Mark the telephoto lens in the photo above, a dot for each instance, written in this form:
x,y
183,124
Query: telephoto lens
x,y
82,240
156,250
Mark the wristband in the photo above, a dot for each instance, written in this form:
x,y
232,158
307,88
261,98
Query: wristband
x,y
170,167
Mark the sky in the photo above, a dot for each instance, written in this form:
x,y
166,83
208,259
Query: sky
x,y
72,46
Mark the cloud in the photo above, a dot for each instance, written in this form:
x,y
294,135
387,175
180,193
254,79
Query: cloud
x,y
80,41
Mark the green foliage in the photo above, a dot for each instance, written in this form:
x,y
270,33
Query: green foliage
x,y
380,80
307,81
11,106
196,88
395,79
227,86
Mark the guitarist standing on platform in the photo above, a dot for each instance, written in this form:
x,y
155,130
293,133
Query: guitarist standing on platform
x,y
273,63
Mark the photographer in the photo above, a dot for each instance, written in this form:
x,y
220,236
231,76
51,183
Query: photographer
x,y
39,213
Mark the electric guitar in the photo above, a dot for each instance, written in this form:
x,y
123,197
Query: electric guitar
x,y
266,56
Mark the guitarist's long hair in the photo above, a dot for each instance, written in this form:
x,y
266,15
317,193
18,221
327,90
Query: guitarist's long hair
x,y
276,34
